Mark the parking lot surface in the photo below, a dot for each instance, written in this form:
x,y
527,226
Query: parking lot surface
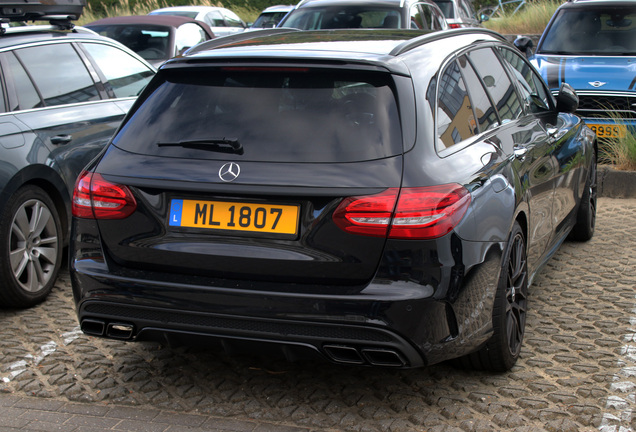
x,y
577,370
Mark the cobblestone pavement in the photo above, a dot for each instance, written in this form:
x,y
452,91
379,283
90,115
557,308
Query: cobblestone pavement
x,y
577,370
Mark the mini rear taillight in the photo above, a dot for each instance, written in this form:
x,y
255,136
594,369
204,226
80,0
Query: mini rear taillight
x,y
420,213
96,198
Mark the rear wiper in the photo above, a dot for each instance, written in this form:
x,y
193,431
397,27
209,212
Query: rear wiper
x,y
222,145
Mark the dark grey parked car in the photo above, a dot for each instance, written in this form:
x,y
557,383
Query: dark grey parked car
x,y
63,93
375,197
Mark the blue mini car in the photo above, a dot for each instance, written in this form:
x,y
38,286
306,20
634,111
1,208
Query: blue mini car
x,y
591,45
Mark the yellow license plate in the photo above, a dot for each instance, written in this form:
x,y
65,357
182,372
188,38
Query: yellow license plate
x,y
608,130
234,216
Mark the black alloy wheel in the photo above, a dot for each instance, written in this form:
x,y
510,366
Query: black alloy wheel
x,y
516,296
509,312
583,229
31,242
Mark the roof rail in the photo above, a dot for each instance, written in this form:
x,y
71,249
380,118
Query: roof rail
x,y
60,23
238,37
433,36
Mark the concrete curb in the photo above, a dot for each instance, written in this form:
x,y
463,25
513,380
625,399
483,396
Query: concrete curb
x,y
613,183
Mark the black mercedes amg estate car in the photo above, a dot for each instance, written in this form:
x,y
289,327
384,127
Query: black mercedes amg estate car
x,y
371,197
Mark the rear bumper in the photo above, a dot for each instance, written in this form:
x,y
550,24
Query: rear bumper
x,y
391,324
340,343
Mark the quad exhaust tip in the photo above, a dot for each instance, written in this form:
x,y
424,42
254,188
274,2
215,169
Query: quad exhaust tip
x,y
114,330
384,357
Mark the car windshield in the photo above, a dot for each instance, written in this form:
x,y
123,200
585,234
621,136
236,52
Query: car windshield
x,y
267,115
149,41
345,17
595,31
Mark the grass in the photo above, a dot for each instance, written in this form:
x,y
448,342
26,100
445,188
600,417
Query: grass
x,y
531,18
142,7
621,153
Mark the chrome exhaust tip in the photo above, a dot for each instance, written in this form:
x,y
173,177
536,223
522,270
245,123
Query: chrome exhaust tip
x,y
119,330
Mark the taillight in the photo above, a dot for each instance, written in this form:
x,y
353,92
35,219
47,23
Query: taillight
x,y
420,213
454,26
96,198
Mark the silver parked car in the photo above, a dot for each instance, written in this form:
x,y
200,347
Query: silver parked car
x,y
222,21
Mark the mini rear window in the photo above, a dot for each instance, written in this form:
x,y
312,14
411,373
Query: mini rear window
x,y
267,114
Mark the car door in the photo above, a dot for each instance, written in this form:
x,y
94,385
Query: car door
x,y
524,141
64,109
563,145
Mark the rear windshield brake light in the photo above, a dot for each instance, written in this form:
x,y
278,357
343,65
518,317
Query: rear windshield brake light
x,y
263,69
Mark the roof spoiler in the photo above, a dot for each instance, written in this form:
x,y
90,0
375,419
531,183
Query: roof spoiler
x,y
41,10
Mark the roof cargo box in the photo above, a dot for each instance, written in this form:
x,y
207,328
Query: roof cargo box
x,y
36,10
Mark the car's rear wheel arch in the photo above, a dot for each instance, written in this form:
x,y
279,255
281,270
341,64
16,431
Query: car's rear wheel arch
x,y
49,181
522,220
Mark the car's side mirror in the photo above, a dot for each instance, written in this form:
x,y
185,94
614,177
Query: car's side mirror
x,y
524,44
567,100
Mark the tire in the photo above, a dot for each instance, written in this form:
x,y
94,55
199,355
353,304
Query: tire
x,y
584,226
31,248
501,351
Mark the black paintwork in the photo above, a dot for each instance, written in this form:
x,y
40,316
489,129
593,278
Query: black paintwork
x,y
327,291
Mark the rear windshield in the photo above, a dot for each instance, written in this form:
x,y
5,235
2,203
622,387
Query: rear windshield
x,y
263,114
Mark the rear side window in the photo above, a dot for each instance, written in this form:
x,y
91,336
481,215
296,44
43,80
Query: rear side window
x,y
285,115
484,111
27,96
125,75
59,74
455,116
497,82
215,19
232,20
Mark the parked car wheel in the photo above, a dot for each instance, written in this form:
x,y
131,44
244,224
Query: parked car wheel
x,y
509,313
32,240
586,215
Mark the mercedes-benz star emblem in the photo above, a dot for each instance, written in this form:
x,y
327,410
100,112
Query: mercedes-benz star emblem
x,y
229,172
597,83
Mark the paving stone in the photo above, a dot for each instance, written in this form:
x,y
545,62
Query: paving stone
x,y
577,370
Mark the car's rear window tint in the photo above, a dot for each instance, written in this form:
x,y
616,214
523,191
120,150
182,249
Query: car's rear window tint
x,y
285,115
58,73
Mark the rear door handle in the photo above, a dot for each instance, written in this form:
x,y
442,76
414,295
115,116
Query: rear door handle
x,y
61,139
